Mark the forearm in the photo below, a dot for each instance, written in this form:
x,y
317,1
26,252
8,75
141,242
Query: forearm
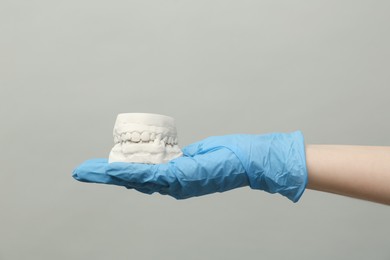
x,y
357,171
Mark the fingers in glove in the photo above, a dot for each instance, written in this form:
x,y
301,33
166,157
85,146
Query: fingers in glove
x,y
152,176
94,171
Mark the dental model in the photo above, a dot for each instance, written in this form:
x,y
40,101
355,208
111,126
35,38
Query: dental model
x,y
144,138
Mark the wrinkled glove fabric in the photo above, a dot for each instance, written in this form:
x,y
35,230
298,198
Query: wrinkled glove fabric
x,y
274,162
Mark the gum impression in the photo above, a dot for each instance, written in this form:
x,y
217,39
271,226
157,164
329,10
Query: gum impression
x,y
144,138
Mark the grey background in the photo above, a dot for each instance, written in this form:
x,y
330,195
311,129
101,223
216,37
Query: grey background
x,y
67,68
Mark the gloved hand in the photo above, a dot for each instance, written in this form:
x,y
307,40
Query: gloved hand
x,y
275,163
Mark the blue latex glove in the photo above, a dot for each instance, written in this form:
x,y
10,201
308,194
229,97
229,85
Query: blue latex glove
x,y
275,163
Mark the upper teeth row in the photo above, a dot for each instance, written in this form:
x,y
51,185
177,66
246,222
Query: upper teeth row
x,y
144,137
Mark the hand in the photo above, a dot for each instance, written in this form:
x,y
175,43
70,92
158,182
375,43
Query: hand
x,y
274,162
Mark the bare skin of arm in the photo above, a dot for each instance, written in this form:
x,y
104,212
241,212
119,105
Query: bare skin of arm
x,y
361,172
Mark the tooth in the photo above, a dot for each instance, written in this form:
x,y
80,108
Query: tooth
x,y
170,140
135,137
157,140
126,136
176,141
145,136
116,139
164,140
152,136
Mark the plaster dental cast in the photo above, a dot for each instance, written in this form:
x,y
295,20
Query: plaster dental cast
x,y
274,162
144,138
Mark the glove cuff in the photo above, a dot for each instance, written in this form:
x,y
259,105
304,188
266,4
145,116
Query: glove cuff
x,y
281,165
